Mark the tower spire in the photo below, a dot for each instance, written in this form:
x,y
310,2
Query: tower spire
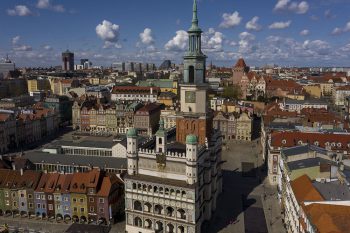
x,y
195,17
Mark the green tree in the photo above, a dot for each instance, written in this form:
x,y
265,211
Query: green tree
x,y
233,91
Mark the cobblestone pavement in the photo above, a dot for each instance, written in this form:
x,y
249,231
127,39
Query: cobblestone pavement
x,y
31,225
243,194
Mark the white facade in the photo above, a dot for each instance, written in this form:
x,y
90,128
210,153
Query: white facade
x,y
172,191
149,97
298,105
339,96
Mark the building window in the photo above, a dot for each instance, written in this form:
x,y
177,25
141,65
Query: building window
x,y
82,210
74,200
102,210
30,205
92,209
30,196
81,200
6,194
22,195
38,206
91,199
66,208
49,197
50,207
75,209
43,197
101,200
66,199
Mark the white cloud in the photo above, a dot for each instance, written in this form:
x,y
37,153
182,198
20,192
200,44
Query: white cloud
x,y
109,33
281,5
338,31
245,43
19,47
178,42
304,32
15,40
212,41
280,25
230,20
43,4
22,48
46,4
253,24
146,37
300,8
19,10
319,47
287,5
48,47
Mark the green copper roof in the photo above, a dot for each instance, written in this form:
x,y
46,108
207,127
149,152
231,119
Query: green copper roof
x,y
162,83
132,132
194,27
191,139
161,131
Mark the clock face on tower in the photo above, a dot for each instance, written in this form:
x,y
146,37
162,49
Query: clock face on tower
x,y
199,66
190,97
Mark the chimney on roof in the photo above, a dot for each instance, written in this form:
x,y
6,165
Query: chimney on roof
x,y
13,166
21,171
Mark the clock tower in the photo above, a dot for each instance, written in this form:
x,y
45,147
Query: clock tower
x,y
194,117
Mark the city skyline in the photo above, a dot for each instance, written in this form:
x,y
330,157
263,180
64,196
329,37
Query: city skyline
x,y
283,32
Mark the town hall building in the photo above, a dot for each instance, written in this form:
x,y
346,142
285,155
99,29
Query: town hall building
x,y
174,180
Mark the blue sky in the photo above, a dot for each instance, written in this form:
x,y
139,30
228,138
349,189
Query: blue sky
x,y
285,32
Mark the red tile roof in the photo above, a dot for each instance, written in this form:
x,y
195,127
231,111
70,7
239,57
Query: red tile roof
x,y
304,190
329,218
240,63
290,139
134,89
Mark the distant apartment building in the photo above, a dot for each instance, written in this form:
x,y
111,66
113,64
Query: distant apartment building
x,y
165,85
90,116
13,87
39,84
332,142
118,66
62,105
339,95
5,67
18,130
292,105
146,119
67,61
63,86
234,126
169,118
16,102
252,86
135,93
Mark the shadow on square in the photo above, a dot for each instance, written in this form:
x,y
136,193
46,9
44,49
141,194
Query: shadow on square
x,y
228,209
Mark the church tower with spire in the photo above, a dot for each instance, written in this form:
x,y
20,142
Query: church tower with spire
x,y
194,117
